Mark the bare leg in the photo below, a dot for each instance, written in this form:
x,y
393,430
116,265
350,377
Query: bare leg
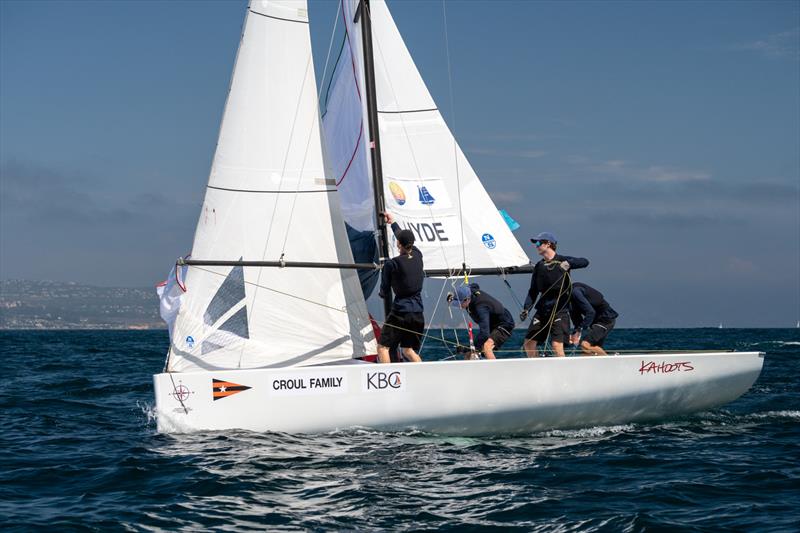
x,y
530,348
558,349
383,354
411,355
592,350
488,349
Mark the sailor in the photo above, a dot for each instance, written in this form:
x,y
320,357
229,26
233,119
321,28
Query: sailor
x,y
494,320
403,275
592,317
550,281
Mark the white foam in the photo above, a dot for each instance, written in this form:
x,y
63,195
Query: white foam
x,y
777,414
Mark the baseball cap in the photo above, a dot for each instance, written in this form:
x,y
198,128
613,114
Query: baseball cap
x,y
545,236
462,293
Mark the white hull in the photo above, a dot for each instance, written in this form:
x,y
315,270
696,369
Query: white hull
x,y
457,397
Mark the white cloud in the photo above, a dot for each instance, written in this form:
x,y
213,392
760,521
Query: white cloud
x,y
655,173
781,44
526,154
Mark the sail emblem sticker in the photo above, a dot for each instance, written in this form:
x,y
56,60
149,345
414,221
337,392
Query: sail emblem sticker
x,y
425,197
398,193
223,389
190,342
488,241
383,381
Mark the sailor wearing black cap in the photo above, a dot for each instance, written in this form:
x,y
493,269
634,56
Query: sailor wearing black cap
x,y
494,320
403,275
592,317
550,282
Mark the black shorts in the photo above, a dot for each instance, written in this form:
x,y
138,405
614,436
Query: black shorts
x,y
403,329
500,335
598,332
558,330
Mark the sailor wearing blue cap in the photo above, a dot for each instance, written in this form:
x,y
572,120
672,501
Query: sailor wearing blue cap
x,y
494,320
551,283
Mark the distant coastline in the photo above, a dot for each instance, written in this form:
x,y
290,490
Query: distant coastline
x,y
54,305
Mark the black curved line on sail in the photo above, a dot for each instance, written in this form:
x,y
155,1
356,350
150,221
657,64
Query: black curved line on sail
x,y
277,18
267,192
407,111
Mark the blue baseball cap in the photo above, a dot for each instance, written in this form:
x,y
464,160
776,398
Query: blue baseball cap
x,y
545,236
462,293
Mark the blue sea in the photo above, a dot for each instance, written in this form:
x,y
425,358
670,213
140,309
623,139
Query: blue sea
x,y
80,452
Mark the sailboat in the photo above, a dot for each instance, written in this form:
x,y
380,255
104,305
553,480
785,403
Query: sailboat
x,y
267,317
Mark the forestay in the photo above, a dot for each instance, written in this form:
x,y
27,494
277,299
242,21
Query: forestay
x,y
268,198
430,186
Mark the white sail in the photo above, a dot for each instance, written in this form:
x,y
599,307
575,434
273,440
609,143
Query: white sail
x,y
268,198
346,129
430,186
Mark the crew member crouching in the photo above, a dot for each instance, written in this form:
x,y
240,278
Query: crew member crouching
x,y
494,320
592,317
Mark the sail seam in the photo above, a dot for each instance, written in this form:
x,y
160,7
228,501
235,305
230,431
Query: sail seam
x,y
409,111
278,18
269,192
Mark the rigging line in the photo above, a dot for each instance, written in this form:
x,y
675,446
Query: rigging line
x,y
433,316
511,290
285,161
315,120
328,56
455,145
377,45
251,307
257,285
335,63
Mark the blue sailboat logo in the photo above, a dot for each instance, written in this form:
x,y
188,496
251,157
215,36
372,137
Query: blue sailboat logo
x,y
425,197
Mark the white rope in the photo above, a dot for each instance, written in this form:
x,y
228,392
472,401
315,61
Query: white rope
x,y
455,144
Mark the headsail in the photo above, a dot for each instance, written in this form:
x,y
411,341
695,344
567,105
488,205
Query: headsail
x,y
429,184
269,198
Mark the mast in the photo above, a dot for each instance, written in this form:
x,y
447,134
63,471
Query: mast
x,y
374,140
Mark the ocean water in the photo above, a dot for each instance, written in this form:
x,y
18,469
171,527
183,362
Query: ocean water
x,y
80,452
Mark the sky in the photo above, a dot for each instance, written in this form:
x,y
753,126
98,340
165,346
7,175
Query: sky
x,y
660,140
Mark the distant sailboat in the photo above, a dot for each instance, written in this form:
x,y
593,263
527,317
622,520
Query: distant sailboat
x,y
720,326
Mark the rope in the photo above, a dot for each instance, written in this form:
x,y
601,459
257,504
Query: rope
x,y
455,145
257,285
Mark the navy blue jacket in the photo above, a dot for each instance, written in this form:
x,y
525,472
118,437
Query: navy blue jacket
x,y
548,285
404,275
488,313
587,306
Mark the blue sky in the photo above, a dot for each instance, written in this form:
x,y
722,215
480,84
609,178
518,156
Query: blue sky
x,y
659,140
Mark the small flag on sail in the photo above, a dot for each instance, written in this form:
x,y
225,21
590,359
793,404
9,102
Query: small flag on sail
x,y
223,389
425,197
513,225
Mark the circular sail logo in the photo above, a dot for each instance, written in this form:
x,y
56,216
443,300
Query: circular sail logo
x,y
398,193
488,241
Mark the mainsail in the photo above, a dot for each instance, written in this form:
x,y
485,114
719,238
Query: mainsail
x,y
268,198
429,185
